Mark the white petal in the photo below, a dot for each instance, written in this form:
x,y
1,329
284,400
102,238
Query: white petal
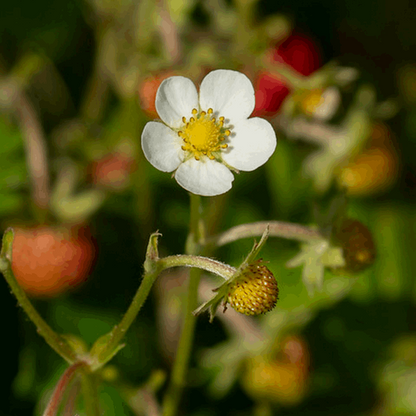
x,y
229,93
204,177
175,98
162,146
251,144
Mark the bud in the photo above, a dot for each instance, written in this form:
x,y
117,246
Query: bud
x,y
255,291
357,245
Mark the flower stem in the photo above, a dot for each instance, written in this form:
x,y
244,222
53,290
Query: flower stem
x,y
256,229
203,263
116,335
183,353
54,340
90,393
108,345
60,389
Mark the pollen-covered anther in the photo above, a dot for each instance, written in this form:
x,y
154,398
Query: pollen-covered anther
x,y
203,134
255,292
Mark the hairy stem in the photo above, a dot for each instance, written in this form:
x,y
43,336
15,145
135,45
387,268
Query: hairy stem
x,y
256,229
183,353
60,389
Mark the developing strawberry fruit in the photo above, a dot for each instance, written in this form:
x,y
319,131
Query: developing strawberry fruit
x,y
47,261
357,245
297,51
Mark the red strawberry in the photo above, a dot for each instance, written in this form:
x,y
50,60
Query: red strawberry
x,y
297,51
48,261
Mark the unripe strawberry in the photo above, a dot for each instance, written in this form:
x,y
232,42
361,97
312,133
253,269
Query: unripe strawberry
x,y
357,245
48,261
255,291
297,51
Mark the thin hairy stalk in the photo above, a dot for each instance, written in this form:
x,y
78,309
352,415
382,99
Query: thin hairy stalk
x,y
256,229
183,353
61,388
35,145
90,394
169,33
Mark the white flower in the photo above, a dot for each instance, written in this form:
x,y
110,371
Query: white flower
x,y
202,137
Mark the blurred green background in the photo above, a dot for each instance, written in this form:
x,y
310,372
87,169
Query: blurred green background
x,y
360,347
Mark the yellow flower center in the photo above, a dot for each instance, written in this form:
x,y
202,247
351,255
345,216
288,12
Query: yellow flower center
x,y
203,134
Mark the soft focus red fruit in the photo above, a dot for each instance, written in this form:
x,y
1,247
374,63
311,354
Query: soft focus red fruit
x,y
48,261
297,51
113,171
148,90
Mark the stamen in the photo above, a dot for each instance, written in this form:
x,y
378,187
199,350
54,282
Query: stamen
x,y
203,135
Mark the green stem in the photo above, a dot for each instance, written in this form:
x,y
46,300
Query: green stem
x,y
180,368
54,340
256,229
203,263
118,332
60,389
91,397
108,345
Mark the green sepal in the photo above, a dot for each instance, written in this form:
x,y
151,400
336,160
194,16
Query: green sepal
x,y
7,246
152,252
99,346
77,344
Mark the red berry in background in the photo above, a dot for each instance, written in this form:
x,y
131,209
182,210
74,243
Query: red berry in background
x,y
297,51
47,261
113,171
148,90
